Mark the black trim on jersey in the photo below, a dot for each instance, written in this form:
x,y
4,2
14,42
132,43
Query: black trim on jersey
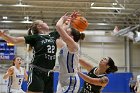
x,y
95,68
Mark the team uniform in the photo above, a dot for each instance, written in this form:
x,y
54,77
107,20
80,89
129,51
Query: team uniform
x,y
138,84
44,56
15,81
90,88
69,81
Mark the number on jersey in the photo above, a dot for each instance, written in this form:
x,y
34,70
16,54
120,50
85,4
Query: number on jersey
x,y
51,48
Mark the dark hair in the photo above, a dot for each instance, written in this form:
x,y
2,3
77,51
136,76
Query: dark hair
x,y
14,60
77,35
112,68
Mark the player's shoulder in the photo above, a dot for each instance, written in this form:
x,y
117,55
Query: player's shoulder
x,y
12,68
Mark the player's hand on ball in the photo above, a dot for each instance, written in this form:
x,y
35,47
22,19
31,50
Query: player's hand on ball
x,y
75,15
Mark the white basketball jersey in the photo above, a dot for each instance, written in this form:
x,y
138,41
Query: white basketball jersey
x,y
68,79
16,79
138,84
68,61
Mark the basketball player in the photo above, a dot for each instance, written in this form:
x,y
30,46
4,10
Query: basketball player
x,y
137,86
132,83
16,75
68,57
43,42
96,78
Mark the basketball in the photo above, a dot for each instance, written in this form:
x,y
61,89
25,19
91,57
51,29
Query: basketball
x,y
79,23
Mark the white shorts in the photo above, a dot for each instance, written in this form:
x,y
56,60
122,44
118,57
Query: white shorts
x,y
16,91
69,85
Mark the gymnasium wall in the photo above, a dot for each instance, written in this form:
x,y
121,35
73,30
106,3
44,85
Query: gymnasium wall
x,y
99,50
96,47
135,58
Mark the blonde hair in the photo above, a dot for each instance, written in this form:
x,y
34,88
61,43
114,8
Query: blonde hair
x,y
33,30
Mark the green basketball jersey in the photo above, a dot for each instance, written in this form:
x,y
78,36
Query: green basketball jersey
x,y
90,88
44,49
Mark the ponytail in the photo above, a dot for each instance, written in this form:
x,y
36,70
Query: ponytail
x,y
77,35
33,30
112,68
30,31
82,36
28,46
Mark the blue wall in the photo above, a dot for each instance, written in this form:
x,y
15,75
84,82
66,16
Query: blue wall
x,y
118,82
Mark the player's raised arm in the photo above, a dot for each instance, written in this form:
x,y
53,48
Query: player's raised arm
x,y
85,64
62,28
11,39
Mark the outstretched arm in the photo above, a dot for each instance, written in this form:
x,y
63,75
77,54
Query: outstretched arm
x,y
11,39
85,64
103,81
61,28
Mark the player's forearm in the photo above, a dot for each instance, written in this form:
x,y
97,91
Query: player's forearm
x,y
85,64
6,76
59,28
103,81
8,38
26,77
85,77
66,38
14,40
60,22
63,22
89,79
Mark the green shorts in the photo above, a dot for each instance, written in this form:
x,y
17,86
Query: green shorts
x,y
39,81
